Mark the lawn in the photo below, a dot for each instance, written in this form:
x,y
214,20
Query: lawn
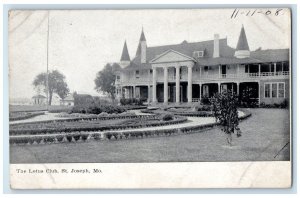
x,y
265,137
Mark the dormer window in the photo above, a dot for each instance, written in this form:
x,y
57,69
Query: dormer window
x,y
198,54
137,74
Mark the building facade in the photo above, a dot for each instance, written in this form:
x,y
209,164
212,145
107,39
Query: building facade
x,y
186,72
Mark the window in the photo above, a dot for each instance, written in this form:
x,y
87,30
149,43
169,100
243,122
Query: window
x,y
198,54
118,78
274,90
151,71
137,74
267,90
205,68
280,90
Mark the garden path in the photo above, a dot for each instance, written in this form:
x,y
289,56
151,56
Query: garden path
x,y
45,117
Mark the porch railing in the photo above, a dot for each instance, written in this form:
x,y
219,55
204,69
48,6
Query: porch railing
x,y
245,75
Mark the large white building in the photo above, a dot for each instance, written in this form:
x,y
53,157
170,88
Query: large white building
x,y
186,72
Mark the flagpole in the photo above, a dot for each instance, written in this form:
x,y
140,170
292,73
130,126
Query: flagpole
x,y
47,76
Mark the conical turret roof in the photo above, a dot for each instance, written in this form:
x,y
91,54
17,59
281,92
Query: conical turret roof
x,y
242,43
142,38
125,54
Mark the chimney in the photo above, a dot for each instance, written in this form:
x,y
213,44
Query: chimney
x,y
216,46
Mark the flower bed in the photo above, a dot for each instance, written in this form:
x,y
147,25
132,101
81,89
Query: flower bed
x,y
82,136
13,116
88,128
90,118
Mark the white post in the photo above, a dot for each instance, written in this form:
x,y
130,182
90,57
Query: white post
x,y
178,84
219,88
149,93
274,69
154,99
259,69
166,85
133,88
200,70
190,84
238,88
200,94
259,93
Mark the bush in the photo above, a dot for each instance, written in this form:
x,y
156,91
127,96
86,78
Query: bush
x,y
284,104
98,109
205,100
203,108
131,101
167,117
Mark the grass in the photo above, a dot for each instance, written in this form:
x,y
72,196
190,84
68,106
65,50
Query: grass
x,y
264,137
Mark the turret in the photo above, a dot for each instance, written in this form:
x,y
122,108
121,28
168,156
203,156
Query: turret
x,y
142,48
242,48
125,59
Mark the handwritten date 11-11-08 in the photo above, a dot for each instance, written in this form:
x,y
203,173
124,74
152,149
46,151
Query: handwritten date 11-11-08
x,y
238,12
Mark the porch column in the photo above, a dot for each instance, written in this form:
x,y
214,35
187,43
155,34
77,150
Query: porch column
x,y
154,99
259,93
133,91
200,93
149,93
190,84
177,84
219,87
219,71
259,69
238,88
274,69
165,85
200,71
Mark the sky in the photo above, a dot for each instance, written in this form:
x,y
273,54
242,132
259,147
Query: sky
x,y
82,42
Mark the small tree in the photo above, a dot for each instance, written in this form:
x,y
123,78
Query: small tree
x,y
105,81
225,111
56,83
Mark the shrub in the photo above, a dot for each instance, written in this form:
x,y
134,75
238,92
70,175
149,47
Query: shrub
x,y
167,117
284,104
205,100
131,101
203,108
98,109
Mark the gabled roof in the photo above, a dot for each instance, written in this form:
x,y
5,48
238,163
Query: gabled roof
x,y
125,54
186,49
242,42
180,54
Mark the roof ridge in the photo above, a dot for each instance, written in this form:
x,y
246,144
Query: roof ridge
x,y
185,43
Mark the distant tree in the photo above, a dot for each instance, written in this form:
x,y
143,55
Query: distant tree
x,y
225,111
105,81
56,82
